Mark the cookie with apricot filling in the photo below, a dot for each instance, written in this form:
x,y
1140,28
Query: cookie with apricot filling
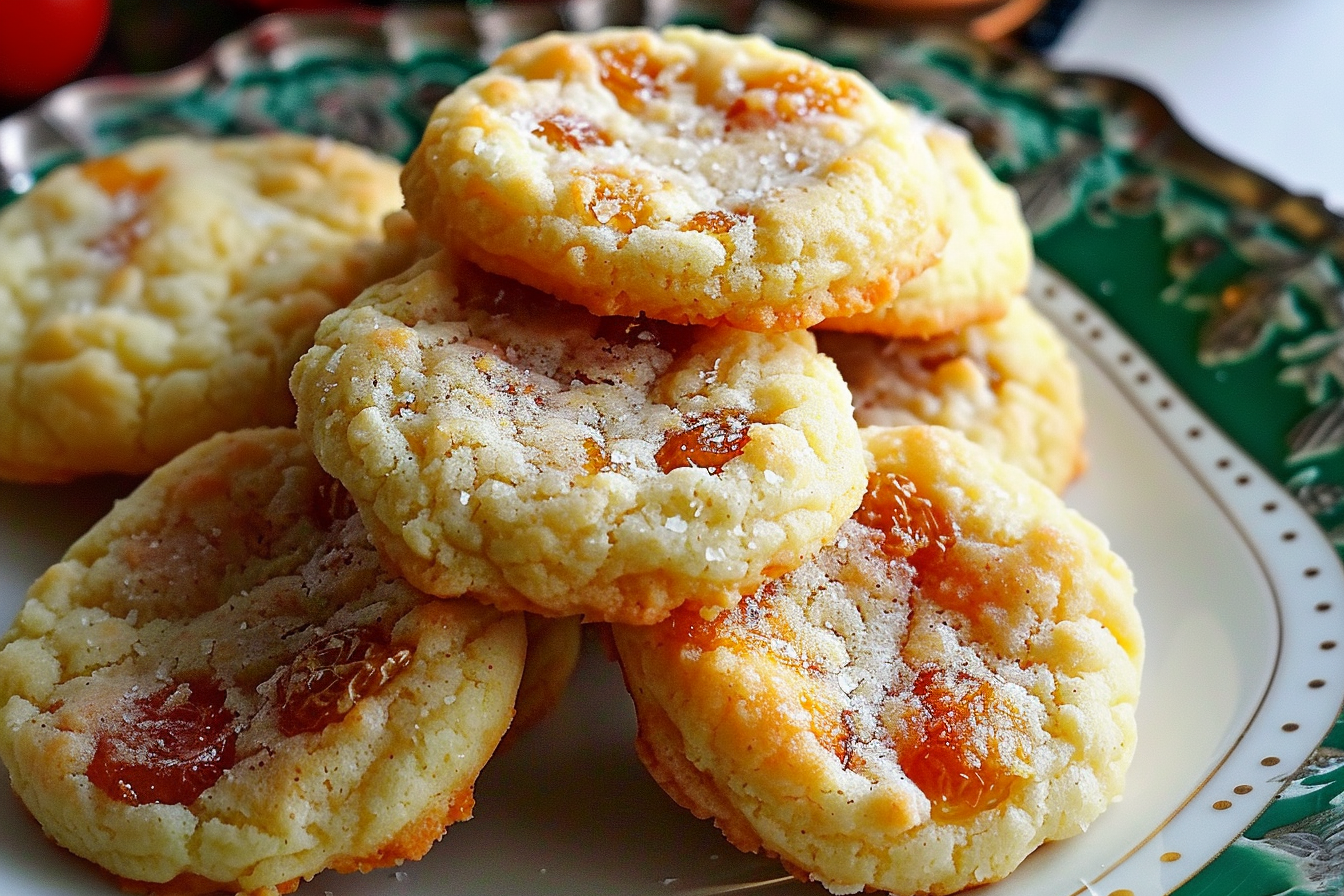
x,y
502,443
154,297
1008,385
948,685
983,267
687,175
221,687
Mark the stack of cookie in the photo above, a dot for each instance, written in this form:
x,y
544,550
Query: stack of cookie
x,y
221,686
883,653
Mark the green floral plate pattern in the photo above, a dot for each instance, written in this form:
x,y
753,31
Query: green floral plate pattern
x,y
1233,287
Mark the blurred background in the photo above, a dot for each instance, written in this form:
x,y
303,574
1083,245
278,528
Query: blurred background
x,y
1260,81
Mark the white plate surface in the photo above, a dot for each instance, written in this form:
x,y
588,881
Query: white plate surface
x,y
1242,601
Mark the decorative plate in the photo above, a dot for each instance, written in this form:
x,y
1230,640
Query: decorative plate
x,y
1205,307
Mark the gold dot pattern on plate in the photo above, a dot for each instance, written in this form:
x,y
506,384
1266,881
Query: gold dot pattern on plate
x,y
1320,606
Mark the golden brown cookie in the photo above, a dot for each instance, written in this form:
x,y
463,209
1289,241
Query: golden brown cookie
x,y
553,646
155,297
688,175
1008,385
505,444
947,686
220,687
984,265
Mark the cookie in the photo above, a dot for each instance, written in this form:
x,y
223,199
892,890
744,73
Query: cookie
x,y
220,687
687,175
155,297
984,265
947,686
553,647
1008,385
502,443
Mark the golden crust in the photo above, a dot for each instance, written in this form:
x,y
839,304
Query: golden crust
x,y
238,581
687,175
501,443
1008,385
153,298
983,267
901,714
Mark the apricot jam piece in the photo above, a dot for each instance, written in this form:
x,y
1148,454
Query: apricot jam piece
x,y
329,676
565,130
630,74
595,459
167,746
708,441
714,221
128,188
951,744
113,176
912,527
790,97
616,203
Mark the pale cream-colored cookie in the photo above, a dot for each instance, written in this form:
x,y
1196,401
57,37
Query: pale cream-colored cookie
x,y
160,295
984,265
220,687
950,684
691,176
506,444
1008,385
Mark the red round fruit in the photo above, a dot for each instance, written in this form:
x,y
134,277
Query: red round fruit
x,y
45,43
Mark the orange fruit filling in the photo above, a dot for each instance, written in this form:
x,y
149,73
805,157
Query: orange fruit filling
x,y
708,441
329,676
167,746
